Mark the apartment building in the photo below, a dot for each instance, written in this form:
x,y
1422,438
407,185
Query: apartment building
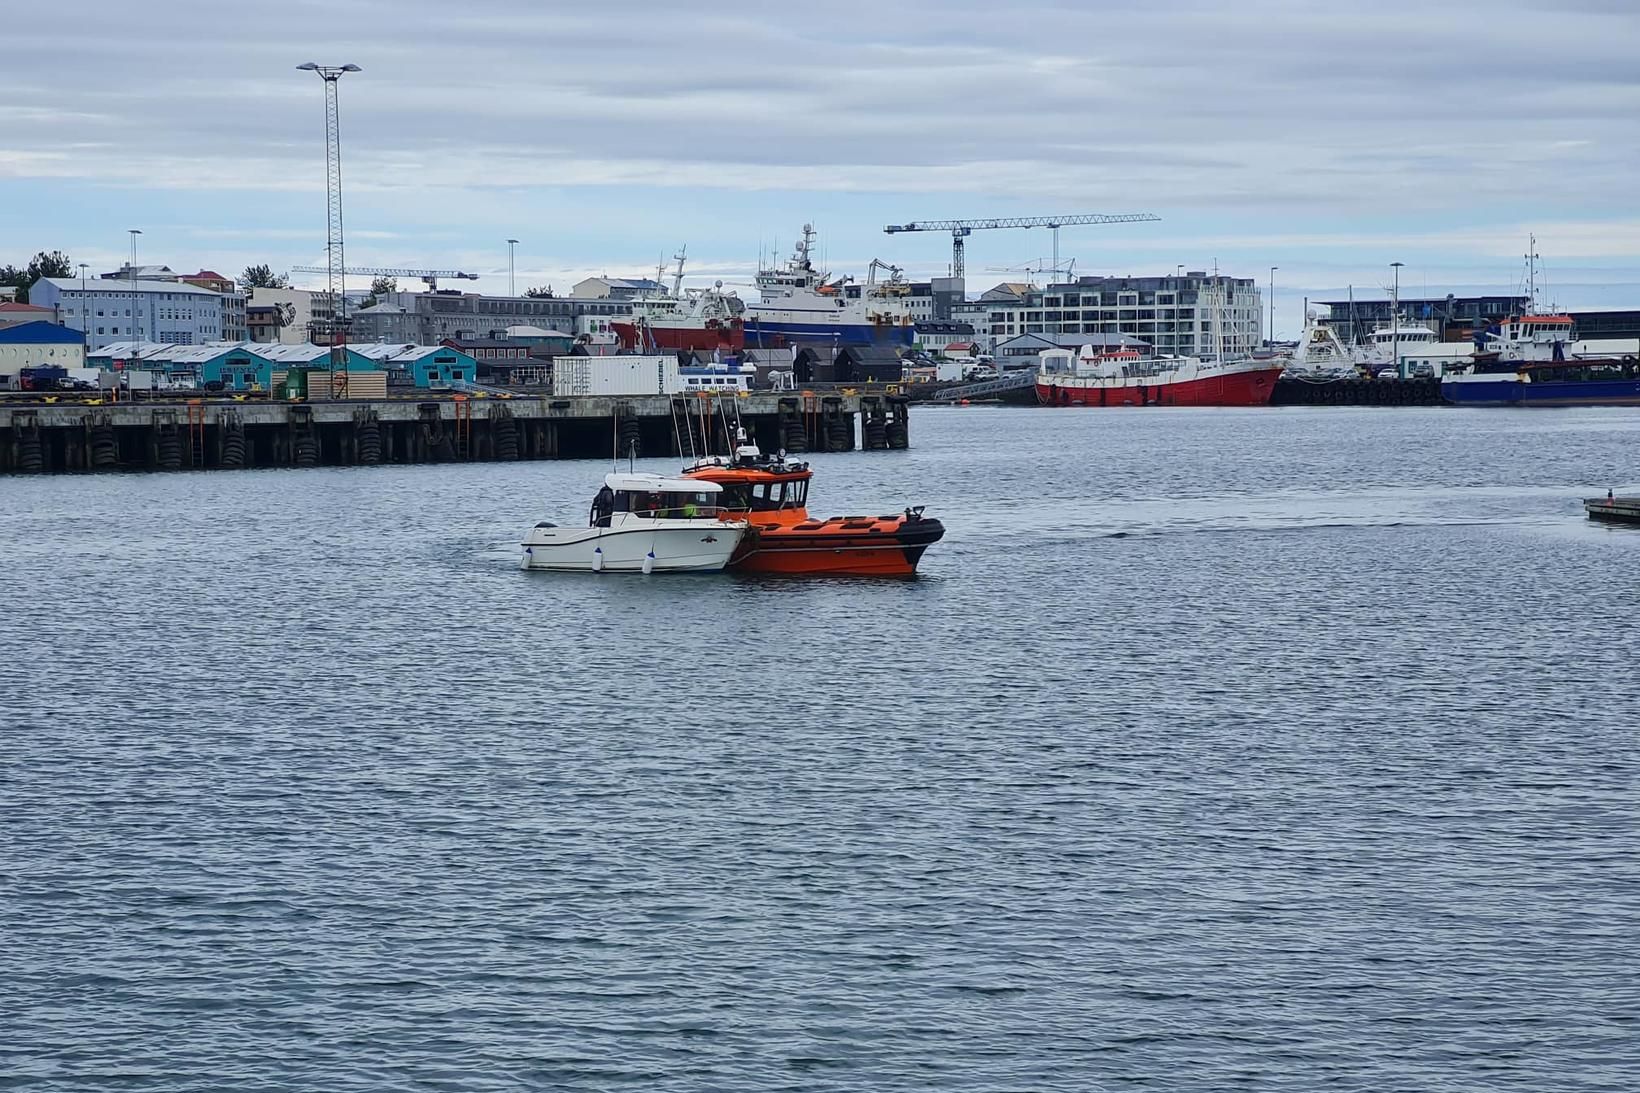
x,y
107,309
1193,313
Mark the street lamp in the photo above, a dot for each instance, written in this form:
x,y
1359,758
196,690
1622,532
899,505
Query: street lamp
x,y
1271,339
85,314
1395,320
136,334
512,289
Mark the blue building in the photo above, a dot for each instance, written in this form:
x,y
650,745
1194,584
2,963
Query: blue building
x,y
236,368
316,357
434,366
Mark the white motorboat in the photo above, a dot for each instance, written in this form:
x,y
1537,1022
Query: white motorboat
x,y
641,523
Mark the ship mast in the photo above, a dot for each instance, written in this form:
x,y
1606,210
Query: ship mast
x,y
677,278
1531,273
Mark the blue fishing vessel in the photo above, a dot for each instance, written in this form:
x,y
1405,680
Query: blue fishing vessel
x,y
802,305
1606,382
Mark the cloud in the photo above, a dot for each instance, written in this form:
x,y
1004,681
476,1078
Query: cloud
x,y
1260,104
1262,125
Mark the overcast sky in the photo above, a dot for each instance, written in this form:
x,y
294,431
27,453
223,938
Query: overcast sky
x,y
1328,139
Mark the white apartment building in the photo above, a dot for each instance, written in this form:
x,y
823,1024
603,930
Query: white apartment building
x,y
299,310
157,311
1191,314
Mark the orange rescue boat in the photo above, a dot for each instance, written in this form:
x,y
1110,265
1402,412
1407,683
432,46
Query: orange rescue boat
x,y
772,493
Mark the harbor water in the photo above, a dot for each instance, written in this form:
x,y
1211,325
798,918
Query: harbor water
x,y
1275,749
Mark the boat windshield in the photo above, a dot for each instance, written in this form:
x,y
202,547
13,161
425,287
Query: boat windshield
x,y
765,496
668,505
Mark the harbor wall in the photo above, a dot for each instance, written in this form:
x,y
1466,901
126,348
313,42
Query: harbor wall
x,y
224,434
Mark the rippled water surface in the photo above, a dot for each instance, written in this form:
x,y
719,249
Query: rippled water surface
x,y
1288,749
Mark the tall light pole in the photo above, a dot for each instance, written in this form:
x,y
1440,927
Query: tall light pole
x,y
336,267
512,289
1270,339
135,332
1395,320
85,314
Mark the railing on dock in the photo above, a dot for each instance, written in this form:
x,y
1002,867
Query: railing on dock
x,y
1014,381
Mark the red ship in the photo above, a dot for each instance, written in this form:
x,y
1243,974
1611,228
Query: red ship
x,y
1124,378
694,318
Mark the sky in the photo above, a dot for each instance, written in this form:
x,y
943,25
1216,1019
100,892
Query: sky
x,y
1325,139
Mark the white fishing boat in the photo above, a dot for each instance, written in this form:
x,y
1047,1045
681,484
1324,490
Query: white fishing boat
x,y
641,523
1319,354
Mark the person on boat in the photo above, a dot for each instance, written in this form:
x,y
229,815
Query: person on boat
x,y
603,506
690,509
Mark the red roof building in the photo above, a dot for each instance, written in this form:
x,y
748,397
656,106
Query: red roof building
x,y
12,314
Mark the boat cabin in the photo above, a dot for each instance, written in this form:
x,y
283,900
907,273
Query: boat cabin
x,y
1403,334
654,497
756,483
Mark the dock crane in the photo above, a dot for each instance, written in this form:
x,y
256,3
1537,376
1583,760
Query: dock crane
x,y
429,277
961,229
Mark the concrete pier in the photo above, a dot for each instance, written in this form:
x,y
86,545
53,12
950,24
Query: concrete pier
x,y
55,436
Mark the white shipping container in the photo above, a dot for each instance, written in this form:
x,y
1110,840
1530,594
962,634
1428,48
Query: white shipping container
x,y
620,375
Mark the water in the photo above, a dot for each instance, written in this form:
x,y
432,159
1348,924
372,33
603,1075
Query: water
x,y
1281,750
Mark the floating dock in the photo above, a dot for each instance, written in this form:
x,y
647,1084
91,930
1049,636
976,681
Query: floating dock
x,y
1613,510
209,434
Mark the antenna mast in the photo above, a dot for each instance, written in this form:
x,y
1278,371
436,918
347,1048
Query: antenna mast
x,y
336,268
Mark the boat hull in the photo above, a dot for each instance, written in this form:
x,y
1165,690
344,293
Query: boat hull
x,y
1509,391
841,547
1614,510
777,333
634,336
1244,387
626,550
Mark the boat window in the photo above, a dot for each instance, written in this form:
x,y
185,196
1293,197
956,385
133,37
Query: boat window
x,y
682,506
737,495
797,494
767,496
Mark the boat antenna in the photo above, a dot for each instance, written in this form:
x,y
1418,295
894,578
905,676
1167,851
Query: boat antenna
x,y
677,434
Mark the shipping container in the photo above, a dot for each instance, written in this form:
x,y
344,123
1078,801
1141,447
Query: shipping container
x,y
620,375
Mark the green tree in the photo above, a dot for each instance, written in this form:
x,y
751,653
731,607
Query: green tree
x,y
262,276
380,287
53,264
44,264
540,292
12,277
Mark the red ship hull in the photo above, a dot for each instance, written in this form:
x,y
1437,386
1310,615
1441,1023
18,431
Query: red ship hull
x,y
1252,387
635,337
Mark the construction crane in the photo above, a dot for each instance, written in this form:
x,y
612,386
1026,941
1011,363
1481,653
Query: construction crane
x,y
1064,272
961,229
429,276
